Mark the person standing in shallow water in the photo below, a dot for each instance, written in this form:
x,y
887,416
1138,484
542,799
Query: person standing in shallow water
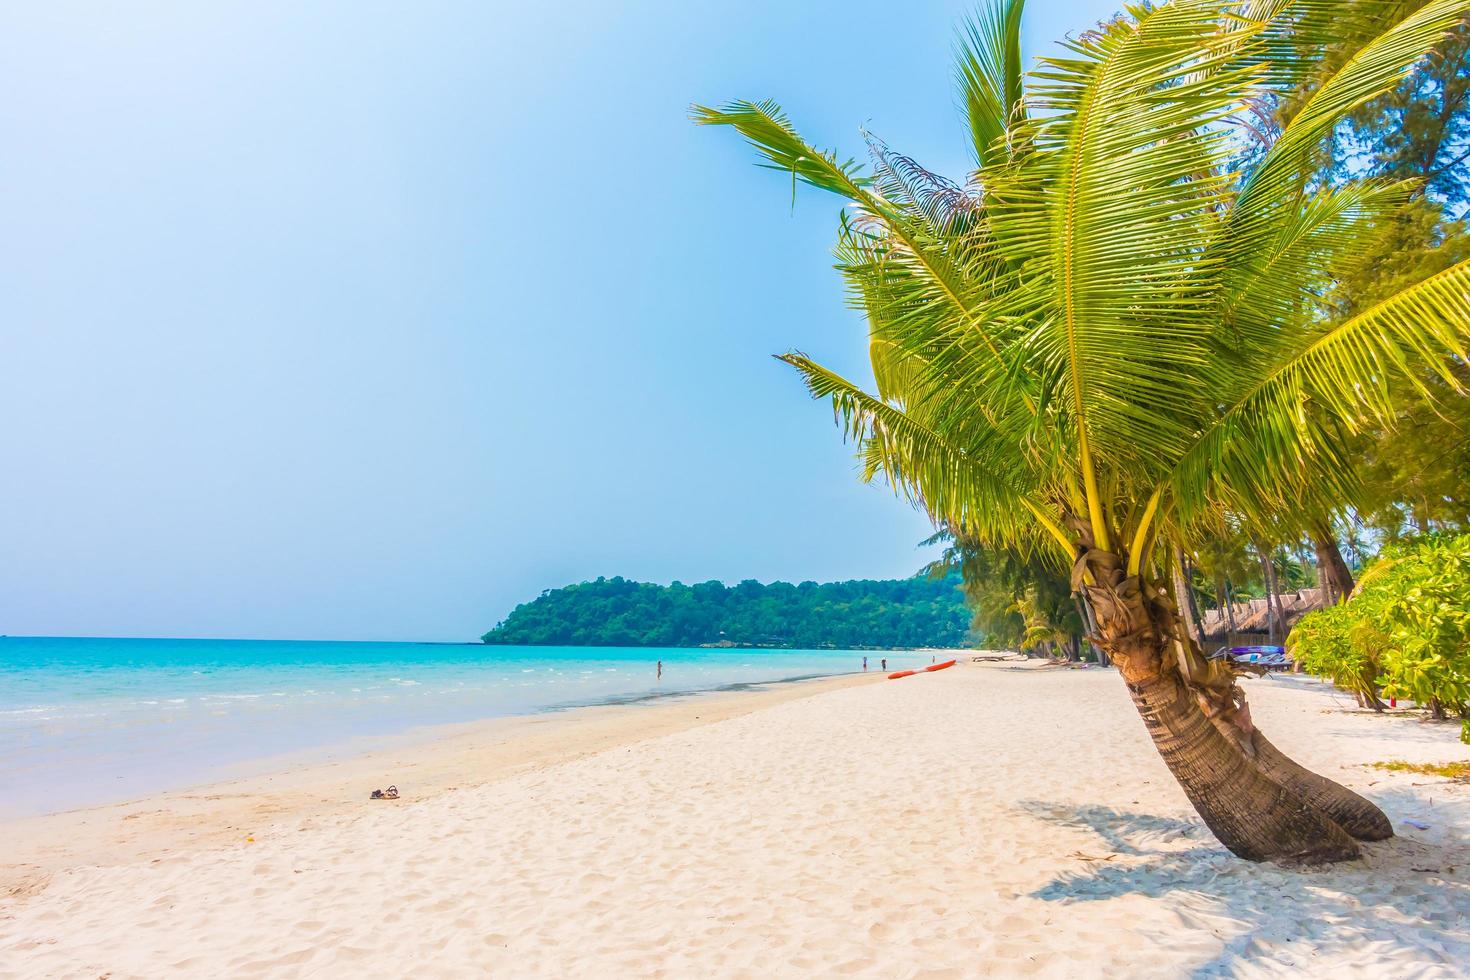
x,y
660,670
865,663
883,663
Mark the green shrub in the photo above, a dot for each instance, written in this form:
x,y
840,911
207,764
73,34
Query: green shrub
x,y
1323,642
1405,632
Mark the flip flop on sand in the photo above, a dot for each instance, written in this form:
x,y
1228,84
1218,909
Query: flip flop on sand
x,y
391,793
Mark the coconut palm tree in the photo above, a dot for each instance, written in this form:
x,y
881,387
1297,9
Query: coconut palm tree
x,y
1112,333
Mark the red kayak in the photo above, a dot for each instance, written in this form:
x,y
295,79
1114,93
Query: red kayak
x,y
925,670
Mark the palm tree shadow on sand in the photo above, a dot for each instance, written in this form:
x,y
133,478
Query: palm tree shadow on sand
x,y
1278,912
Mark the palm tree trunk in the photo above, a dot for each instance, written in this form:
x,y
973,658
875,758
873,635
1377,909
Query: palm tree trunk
x,y
1337,578
1359,817
1253,814
1193,599
1229,611
1368,688
1273,603
1182,599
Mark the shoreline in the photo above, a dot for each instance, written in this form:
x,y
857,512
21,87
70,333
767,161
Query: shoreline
x,y
92,722
994,819
424,762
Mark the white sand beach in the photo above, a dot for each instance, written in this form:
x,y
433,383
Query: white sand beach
x,y
993,819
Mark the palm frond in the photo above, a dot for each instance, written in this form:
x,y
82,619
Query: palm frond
x,y
1373,70
988,74
952,483
1302,36
943,206
1269,293
925,345
1287,422
1099,207
1106,325
766,128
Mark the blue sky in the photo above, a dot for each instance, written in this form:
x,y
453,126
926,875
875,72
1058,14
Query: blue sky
x,y
369,321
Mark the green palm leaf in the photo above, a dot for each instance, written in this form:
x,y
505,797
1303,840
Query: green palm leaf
x,y
766,128
1286,421
1115,234
1111,327
1372,71
988,73
958,484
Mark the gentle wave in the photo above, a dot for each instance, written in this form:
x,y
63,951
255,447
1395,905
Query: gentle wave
x,y
118,718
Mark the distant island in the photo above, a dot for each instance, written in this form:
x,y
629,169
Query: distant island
x,y
903,613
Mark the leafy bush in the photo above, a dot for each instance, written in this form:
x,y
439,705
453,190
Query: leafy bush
x,y
1323,643
1405,632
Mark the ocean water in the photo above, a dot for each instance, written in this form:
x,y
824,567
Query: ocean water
x,y
87,721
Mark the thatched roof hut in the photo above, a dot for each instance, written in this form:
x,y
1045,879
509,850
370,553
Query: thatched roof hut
x,y
1254,617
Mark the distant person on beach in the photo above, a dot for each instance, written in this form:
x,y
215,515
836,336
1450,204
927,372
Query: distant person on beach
x,y
660,670
865,663
884,663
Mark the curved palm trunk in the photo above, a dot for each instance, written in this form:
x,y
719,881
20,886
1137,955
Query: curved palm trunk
x,y
1259,811
1254,816
1356,815
1231,715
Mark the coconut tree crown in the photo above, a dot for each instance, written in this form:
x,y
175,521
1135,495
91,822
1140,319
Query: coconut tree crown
x,y
1114,329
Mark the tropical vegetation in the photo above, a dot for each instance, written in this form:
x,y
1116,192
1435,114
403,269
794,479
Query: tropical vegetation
x,y
1017,602
1405,633
907,613
1117,335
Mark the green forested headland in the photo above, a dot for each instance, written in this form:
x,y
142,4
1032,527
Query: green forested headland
x,y
915,612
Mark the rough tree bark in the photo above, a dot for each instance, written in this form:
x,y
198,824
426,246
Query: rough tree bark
x,y
1229,611
1259,803
1181,592
1358,816
1337,578
1276,628
1090,629
1197,616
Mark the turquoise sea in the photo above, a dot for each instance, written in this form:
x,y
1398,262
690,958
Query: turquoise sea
x,y
86,721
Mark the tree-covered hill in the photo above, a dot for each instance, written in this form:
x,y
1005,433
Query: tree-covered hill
x,y
915,612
